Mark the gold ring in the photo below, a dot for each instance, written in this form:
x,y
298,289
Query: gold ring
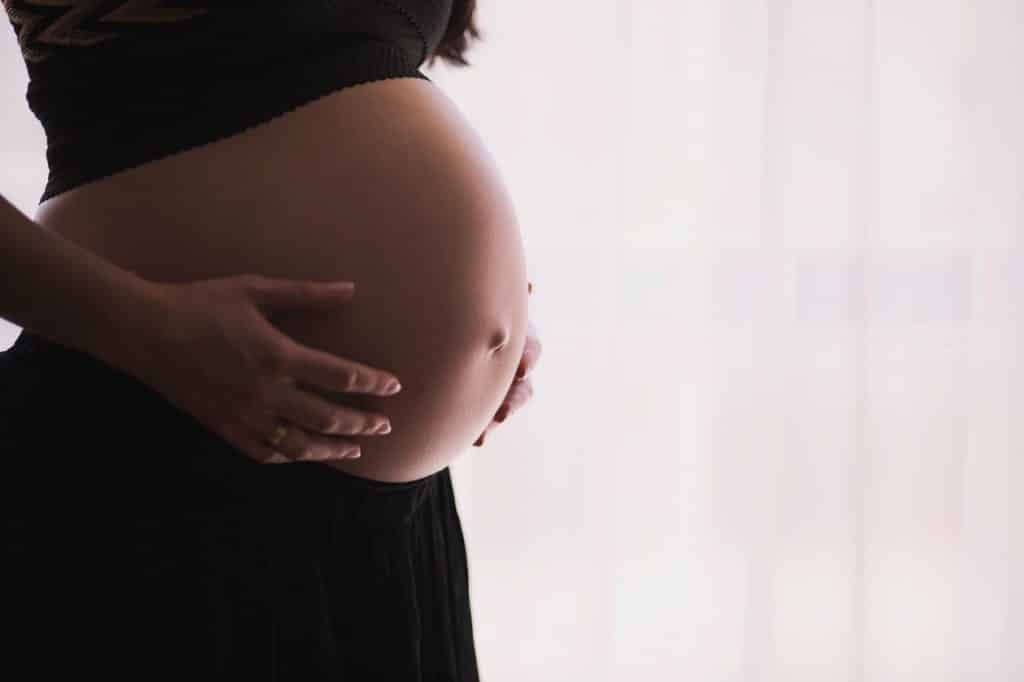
x,y
280,431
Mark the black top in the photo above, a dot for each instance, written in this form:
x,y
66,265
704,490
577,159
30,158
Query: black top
x,y
116,83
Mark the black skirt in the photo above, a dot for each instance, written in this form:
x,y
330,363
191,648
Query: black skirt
x,y
139,545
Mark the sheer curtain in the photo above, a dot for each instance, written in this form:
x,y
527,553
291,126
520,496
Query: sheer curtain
x,y
777,276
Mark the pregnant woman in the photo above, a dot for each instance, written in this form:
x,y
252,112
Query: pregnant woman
x,y
217,171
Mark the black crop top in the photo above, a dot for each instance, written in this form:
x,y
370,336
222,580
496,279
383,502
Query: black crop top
x,y
118,83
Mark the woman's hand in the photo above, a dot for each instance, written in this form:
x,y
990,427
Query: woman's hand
x,y
522,388
216,356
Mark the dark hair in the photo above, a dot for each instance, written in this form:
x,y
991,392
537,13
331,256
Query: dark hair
x,y
456,38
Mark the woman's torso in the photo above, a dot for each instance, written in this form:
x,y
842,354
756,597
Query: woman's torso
x,y
385,184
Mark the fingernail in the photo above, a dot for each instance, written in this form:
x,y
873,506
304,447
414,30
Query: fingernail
x,y
392,387
502,413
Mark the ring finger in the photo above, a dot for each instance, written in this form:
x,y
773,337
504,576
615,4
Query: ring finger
x,y
300,445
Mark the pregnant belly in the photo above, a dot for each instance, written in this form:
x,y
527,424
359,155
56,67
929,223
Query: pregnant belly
x,y
384,184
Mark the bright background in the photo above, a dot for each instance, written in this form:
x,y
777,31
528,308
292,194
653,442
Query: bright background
x,y
777,275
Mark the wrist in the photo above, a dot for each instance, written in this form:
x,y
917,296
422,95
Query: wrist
x,y
130,324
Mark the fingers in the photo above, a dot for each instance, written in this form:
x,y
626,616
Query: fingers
x,y
531,352
300,445
275,295
325,370
518,395
317,415
251,446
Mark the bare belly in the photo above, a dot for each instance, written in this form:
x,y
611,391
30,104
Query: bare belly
x,y
384,184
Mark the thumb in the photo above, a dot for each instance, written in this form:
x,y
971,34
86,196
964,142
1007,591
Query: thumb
x,y
275,295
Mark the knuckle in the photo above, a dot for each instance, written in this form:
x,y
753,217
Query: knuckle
x,y
363,424
327,423
274,359
308,289
344,425
351,428
350,379
298,444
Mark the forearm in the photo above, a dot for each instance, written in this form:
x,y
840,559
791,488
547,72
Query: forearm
x,y
59,290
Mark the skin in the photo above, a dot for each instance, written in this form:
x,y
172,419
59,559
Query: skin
x,y
521,390
395,192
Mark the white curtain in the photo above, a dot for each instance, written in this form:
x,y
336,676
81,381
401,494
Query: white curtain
x,y
776,432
